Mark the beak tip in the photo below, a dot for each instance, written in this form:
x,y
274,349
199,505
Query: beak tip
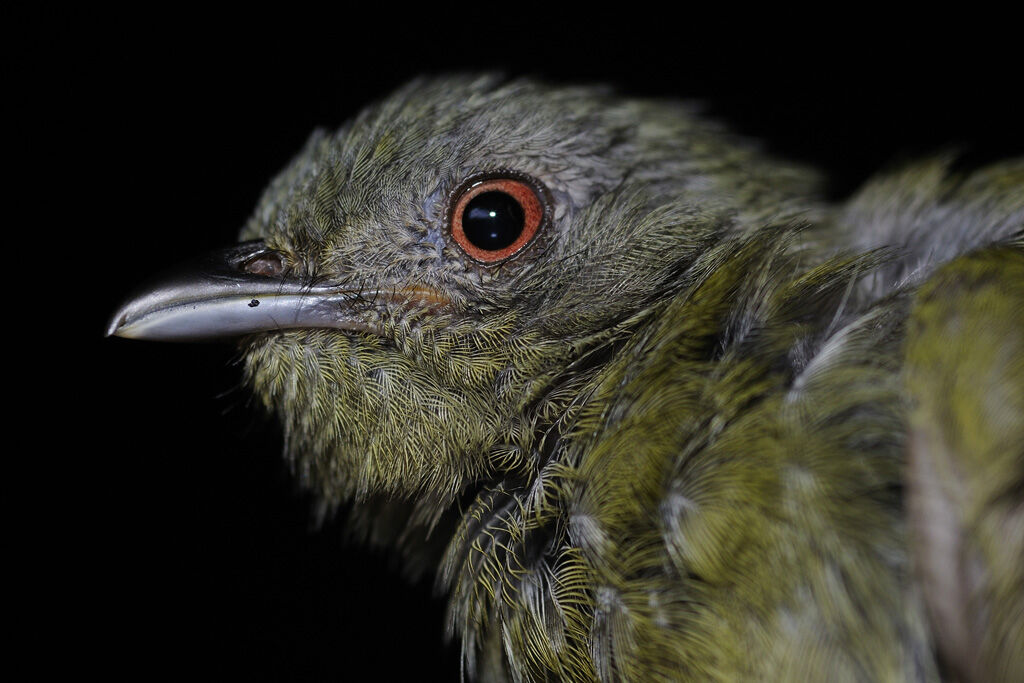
x,y
115,324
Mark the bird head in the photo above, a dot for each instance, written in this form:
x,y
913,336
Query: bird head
x,y
420,292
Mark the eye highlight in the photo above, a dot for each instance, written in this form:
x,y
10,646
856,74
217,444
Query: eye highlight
x,y
493,218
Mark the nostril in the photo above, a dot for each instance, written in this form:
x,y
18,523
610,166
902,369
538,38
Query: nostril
x,y
267,263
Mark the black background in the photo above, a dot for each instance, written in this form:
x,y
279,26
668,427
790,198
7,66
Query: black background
x,y
175,539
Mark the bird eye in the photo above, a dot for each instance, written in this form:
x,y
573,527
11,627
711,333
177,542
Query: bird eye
x,y
494,218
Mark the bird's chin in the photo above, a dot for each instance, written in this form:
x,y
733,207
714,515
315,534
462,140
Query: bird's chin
x,y
361,418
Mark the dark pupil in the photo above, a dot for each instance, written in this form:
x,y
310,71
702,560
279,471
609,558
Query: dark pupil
x,y
492,220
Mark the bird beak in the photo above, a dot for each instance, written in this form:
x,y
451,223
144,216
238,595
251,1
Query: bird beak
x,y
232,292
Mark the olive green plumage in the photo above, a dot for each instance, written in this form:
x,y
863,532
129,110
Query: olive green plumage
x,y
668,440
965,377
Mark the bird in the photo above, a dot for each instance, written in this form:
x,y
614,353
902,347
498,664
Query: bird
x,y
644,403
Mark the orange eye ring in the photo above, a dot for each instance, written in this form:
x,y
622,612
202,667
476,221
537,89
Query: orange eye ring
x,y
496,216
